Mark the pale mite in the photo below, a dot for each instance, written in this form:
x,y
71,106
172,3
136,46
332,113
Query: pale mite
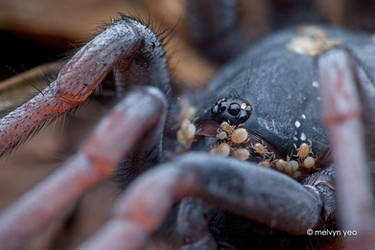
x,y
303,151
309,162
222,149
241,153
239,135
260,149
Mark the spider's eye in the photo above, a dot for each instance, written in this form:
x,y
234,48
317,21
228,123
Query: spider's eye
x,y
234,109
221,108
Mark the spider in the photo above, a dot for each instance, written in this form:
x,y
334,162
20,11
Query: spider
x,y
257,107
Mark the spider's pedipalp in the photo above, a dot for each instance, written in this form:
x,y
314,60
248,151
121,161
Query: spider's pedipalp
x,y
137,115
341,111
122,46
149,64
237,186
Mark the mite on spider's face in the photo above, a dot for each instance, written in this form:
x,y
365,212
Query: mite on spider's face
x,y
233,110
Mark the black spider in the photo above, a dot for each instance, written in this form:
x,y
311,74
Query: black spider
x,y
274,121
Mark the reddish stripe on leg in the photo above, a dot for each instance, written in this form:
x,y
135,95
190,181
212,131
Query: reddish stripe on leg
x,y
342,115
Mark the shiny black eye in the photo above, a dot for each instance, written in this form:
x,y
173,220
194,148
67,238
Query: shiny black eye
x,y
234,109
222,108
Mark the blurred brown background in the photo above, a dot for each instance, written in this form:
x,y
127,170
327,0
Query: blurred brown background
x,y
37,32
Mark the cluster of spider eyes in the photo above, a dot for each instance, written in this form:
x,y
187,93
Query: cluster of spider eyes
x,y
234,110
232,142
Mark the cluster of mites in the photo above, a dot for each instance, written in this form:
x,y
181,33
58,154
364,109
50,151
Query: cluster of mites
x,y
231,142
187,131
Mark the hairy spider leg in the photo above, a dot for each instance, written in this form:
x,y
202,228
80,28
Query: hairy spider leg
x,y
237,186
126,44
136,116
342,115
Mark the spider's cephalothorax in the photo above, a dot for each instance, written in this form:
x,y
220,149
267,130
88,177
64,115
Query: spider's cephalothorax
x,y
233,110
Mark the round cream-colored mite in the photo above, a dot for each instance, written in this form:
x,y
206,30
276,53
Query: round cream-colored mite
x,y
259,148
188,129
188,114
222,149
303,150
241,153
291,167
226,127
239,135
182,140
187,110
265,163
222,135
281,165
309,162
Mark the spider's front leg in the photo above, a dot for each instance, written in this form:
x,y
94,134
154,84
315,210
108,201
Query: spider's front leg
x,y
126,46
141,113
244,188
341,87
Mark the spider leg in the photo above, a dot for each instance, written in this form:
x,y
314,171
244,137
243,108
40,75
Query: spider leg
x,y
341,111
214,28
139,113
207,242
244,188
366,93
192,225
126,44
